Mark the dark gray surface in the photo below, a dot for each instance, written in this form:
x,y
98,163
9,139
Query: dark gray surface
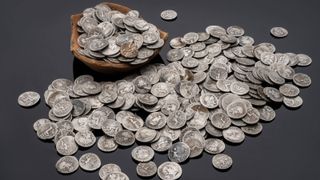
x,y
35,50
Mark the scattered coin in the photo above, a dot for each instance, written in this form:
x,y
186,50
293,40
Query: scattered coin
x,y
169,171
67,165
108,168
279,32
169,15
142,153
146,169
222,161
179,152
89,162
28,99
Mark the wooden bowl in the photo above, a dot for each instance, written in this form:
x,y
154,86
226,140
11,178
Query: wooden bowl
x,y
103,66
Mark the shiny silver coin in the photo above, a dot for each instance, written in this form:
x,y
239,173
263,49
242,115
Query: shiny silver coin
x,y
179,152
106,144
85,138
293,102
233,134
279,32
28,99
169,15
214,146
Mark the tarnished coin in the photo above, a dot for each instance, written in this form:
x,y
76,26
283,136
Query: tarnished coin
x,y
190,38
125,138
66,146
89,162
279,32
160,89
214,146
236,31
129,50
233,134
176,43
273,94
80,124
179,152
169,171
111,127
106,144
142,153
301,80
47,131
146,169
91,87
222,161
169,15
67,165
28,99
108,168
85,138
293,102
145,134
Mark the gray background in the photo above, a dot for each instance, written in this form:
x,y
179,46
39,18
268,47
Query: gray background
x,y
34,49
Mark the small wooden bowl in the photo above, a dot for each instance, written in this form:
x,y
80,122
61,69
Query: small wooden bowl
x,y
103,66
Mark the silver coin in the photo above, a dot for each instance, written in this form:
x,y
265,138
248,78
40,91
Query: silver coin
x,y
190,38
67,165
106,144
303,60
66,146
116,175
62,107
111,127
267,113
169,171
222,161
237,109
293,102
162,144
156,120
233,134
169,15
89,162
125,138
108,168
160,89
47,131
273,94
220,120
146,169
289,90
145,134
65,125
28,99
91,87
85,138
253,130
80,124
40,123
236,31
209,100
142,153
132,121
301,80
179,152
175,55
252,116
279,32
214,146
176,43
239,88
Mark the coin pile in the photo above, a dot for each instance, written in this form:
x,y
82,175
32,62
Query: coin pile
x,y
217,88
112,36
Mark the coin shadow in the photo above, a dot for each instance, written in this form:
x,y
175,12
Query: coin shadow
x,y
151,177
224,170
79,68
